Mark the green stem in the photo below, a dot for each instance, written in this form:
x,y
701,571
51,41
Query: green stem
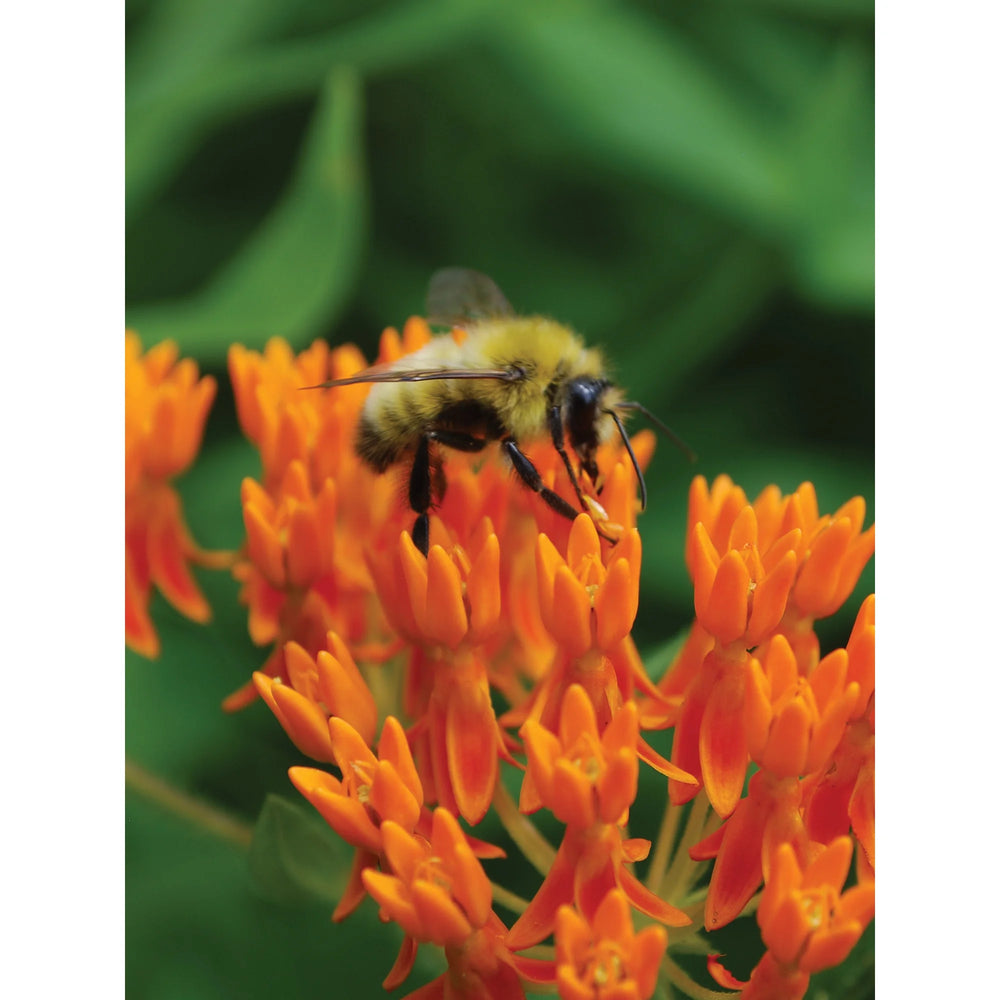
x,y
664,845
523,832
678,878
200,814
508,899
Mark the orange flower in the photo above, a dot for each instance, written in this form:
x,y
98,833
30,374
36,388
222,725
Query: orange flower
x,y
327,684
448,605
437,891
589,782
313,427
372,789
300,576
806,919
741,589
166,406
769,815
604,958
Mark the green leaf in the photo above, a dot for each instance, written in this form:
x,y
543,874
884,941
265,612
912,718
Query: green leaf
x,y
294,857
296,272
832,151
165,123
629,90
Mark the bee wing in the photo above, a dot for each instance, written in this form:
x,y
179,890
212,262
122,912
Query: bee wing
x,y
392,373
456,295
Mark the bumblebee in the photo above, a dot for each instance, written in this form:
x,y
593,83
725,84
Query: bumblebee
x,y
513,379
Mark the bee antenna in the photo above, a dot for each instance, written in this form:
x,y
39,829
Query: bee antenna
x,y
631,454
691,456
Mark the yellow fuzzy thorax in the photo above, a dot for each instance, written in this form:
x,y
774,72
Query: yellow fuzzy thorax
x,y
397,414
546,350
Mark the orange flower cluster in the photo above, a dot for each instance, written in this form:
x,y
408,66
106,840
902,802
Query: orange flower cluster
x,y
761,696
418,682
166,406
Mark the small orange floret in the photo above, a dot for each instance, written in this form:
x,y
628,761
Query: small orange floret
x,y
437,890
604,957
581,776
166,406
806,920
740,590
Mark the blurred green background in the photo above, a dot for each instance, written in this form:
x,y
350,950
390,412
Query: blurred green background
x,y
690,185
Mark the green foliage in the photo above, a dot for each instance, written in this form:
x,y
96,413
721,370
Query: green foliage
x,y
295,856
690,185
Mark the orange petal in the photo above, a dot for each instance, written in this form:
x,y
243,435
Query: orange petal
x,y
569,622
616,604
470,738
770,598
445,619
394,748
818,577
725,612
649,903
788,741
390,797
483,589
441,919
829,948
722,744
393,897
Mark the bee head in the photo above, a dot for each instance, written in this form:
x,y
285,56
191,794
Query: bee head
x,y
583,406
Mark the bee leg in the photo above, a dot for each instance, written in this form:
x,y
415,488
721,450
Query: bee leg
x,y
420,494
530,477
556,430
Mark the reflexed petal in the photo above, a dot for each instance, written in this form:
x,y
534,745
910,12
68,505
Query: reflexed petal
x,y
471,741
722,743
650,904
403,965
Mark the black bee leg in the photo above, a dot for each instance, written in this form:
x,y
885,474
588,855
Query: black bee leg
x,y
422,481
420,494
556,430
530,477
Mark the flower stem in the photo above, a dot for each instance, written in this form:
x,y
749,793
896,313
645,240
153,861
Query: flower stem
x,y
186,806
664,845
509,900
677,880
523,832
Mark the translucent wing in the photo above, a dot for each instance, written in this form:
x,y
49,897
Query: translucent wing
x,y
456,295
391,373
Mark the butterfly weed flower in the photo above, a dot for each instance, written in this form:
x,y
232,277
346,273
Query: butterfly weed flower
x,y
500,644
166,405
605,957
589,781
